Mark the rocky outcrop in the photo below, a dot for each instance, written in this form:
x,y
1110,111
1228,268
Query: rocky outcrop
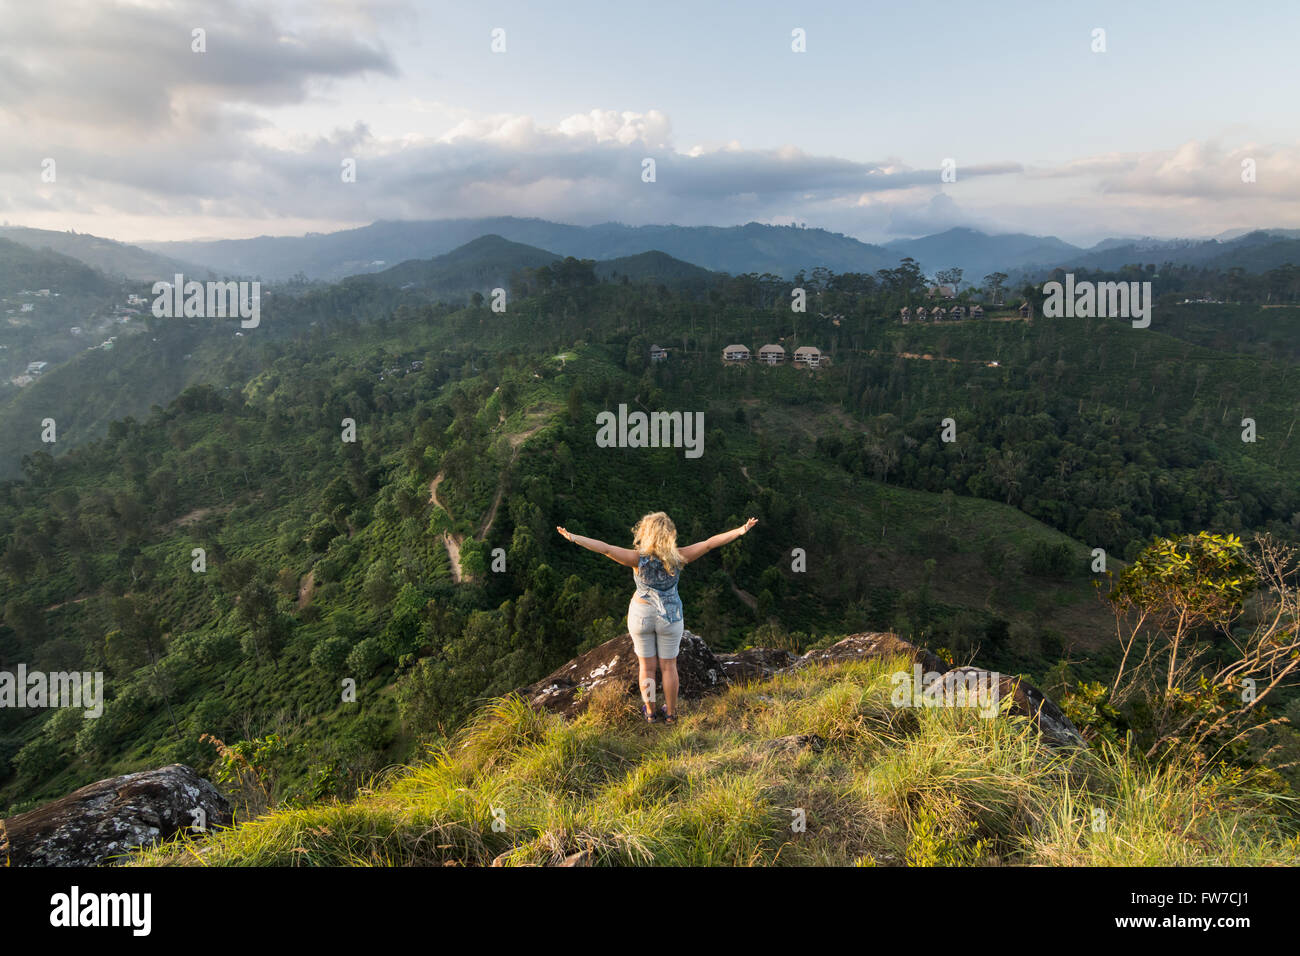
x,y
871,644
106,819
1026,701
568,690
754,663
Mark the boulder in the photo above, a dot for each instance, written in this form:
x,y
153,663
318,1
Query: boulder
x,y
872,644
1026,701
106,819
754,663
568,690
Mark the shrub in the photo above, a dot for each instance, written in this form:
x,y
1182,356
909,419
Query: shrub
x,y
366,658
330,655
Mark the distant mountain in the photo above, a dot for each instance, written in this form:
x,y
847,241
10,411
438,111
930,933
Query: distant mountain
x,y
22,267
782,250
107,255
481,265
1256,251
490,261
977,254
653,266
1230,234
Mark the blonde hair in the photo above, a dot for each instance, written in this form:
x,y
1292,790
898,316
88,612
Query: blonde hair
x,y
656,535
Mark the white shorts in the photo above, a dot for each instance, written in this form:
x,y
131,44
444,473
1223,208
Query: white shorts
x,y
652,636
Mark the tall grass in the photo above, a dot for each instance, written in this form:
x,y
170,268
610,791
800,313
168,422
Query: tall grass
x,y
889,786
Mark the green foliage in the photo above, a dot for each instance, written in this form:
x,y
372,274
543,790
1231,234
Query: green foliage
x,y
366,658
330,655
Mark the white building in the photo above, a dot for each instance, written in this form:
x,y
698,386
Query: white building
x,y
807,356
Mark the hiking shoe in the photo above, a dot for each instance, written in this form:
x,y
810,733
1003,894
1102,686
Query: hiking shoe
x,y
650,716
666,717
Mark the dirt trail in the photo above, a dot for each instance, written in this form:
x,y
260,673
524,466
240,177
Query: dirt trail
x,y
306,588
451,543
516,440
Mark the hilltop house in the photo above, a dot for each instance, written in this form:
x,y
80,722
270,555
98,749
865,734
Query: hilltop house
x,y
957,312
36,368
942,291
807,356
905,314
658,354
1027,310
772,355
735,353
27,307
976,312
921,313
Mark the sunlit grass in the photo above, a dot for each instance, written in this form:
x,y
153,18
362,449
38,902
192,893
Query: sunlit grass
x,y
928,786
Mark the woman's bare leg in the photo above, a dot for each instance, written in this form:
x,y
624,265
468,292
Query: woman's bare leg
x,y
647,679
669,668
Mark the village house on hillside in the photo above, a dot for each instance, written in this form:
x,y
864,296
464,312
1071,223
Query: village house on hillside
x,y
1027,310
976,312
736,353
772,354
658,354
807,356
905,314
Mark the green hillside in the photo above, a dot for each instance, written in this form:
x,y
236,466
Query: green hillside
x,y
113,258
328,559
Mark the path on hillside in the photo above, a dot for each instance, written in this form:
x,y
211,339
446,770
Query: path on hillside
x,y
516,440
451,543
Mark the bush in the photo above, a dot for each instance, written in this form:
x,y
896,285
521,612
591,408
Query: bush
x,y
98,737
216,648
39,759
366,658
1048,560
330,655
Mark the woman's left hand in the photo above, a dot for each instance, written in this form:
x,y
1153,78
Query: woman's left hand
x,y
564,533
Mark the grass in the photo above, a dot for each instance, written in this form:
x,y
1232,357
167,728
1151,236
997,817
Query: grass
x,y
890,786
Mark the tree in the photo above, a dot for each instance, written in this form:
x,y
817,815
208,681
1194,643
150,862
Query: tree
x,y
995,286
1171,603
950,277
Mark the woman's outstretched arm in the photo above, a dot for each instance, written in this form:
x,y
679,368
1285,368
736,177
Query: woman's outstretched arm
x,y
701,548
625,556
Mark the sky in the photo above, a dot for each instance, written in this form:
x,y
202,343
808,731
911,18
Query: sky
x,y
111,122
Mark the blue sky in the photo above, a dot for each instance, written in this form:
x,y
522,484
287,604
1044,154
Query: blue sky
x,y
155,141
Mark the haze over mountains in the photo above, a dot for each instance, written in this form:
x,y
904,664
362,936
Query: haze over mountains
x,y
782,250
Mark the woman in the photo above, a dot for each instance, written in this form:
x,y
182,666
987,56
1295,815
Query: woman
x,y
654,615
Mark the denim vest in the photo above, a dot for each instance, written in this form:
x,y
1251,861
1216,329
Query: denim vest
x,y
654,583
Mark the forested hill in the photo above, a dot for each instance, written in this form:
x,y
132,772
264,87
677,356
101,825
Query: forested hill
x,y
323,558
